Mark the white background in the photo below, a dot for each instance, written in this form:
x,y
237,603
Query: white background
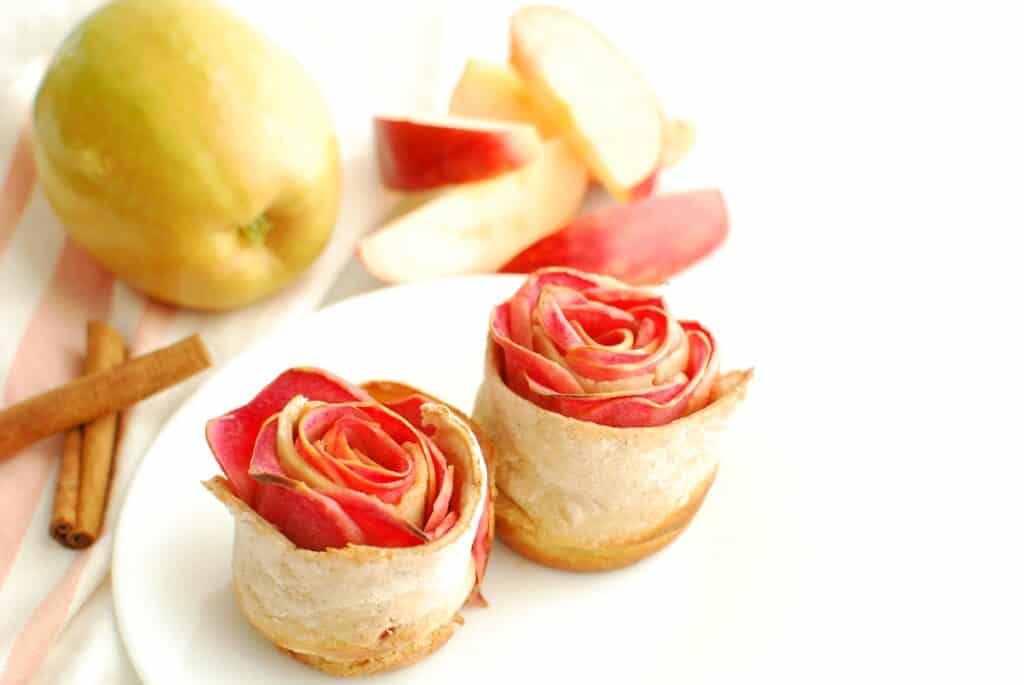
x,y
872,156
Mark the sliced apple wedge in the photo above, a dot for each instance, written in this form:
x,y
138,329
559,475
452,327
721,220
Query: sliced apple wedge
x,y
487,90
496,91
641,243
478,227
419,154
679,137
592,94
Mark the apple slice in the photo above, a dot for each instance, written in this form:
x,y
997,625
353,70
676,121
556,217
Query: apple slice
x,y
592,94
641,243
679,137
417,154
407,202
487,90
496,91
478,227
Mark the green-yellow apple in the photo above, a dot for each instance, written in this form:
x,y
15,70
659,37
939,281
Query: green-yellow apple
x,y
597,100
187,153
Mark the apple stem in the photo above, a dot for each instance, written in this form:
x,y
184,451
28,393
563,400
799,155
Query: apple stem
x,y
258,229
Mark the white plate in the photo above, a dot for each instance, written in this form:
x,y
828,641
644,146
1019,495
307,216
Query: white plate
x,y
703,608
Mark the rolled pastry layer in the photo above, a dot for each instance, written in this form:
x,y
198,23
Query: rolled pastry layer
x,y
363,609
589,497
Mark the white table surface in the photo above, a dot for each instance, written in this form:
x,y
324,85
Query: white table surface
x,y
871,154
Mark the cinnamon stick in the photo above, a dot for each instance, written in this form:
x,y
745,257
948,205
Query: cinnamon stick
x,y
91,396
105,350
65,501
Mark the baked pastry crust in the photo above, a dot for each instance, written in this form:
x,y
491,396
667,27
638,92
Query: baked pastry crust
x,y
520,533
360,610
581,496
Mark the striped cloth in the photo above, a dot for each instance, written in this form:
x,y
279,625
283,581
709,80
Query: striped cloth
x,y
50,288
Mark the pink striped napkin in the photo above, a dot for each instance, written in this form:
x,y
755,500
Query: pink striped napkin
x,y
50,288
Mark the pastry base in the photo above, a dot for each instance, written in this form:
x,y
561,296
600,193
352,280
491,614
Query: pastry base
x,y
403,655
519,532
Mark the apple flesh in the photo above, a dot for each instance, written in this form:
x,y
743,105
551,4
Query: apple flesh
x,y
477,227
158,142
495,91
417,154
592,94
640,243
679,137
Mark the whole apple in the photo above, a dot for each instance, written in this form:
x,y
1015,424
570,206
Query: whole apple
x,y
187,153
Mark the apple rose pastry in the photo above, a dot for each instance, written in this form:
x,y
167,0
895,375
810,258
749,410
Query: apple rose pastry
x,y
604,412
362,518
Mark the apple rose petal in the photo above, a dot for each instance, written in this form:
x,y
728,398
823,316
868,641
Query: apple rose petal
x,y
388,474
415,432
264,464
232,436
703,365
619,385
603,364
555,324
597,319
308,518
446,524
519,309
381,523
363,519
291,462
481,551
439,510
623,408
547,372
624,297
412,505
383,473
634,367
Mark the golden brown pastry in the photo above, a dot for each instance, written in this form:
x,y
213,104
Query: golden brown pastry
x,y
605,414
362,518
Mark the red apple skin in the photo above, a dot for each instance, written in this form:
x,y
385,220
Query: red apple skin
x,y
414,155
645,189
641,243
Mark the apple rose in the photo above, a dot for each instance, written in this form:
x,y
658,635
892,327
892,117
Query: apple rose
x,y
362,518
605,413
